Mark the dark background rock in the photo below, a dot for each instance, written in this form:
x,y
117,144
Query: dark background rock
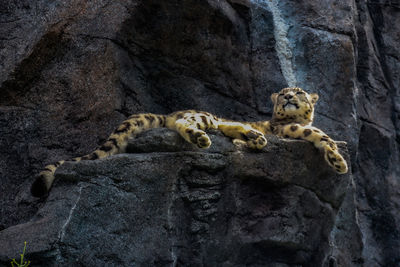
x,y
70,71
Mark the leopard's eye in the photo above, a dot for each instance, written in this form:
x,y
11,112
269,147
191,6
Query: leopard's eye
x,y
280,94
299,93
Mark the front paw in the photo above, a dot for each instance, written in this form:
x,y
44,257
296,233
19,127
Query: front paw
x,y
335,160
255,139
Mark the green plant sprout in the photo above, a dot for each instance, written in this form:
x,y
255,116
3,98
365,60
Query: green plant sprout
x,y
23,263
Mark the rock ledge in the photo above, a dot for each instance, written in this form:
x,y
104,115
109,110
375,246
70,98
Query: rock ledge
x,y
173,204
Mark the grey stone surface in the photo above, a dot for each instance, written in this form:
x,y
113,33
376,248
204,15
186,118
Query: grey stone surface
x,y
70,71
226,207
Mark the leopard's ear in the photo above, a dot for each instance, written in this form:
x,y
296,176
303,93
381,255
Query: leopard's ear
x,y
274,96
314,98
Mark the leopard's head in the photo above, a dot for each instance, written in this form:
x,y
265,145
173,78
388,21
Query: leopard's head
x,y
294,105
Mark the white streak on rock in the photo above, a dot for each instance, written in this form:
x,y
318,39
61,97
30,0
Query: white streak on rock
x,y
62,232
282,43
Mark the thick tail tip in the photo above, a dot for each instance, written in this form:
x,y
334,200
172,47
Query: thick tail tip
x,y
39,188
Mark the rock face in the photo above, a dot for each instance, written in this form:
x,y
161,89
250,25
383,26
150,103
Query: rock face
x,y
223,207
70,71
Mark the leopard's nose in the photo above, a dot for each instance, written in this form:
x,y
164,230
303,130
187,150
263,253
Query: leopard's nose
x,y
288,96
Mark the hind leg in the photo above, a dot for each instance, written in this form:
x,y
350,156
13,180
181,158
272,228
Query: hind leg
x,y
190,131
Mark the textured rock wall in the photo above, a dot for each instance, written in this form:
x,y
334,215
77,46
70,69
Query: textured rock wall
x,y
70,71
222,207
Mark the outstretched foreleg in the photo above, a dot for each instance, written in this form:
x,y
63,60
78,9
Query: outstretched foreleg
x,y
320,140
243,132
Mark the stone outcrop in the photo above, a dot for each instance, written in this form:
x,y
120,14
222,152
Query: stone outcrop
x,y
71,71
227,206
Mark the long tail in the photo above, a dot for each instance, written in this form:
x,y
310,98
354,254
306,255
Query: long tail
x,y
115,144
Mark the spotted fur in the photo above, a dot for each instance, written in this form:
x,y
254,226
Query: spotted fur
x,y
292,118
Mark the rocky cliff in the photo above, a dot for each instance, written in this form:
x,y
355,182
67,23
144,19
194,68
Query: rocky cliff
x,y
174,205
70,71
